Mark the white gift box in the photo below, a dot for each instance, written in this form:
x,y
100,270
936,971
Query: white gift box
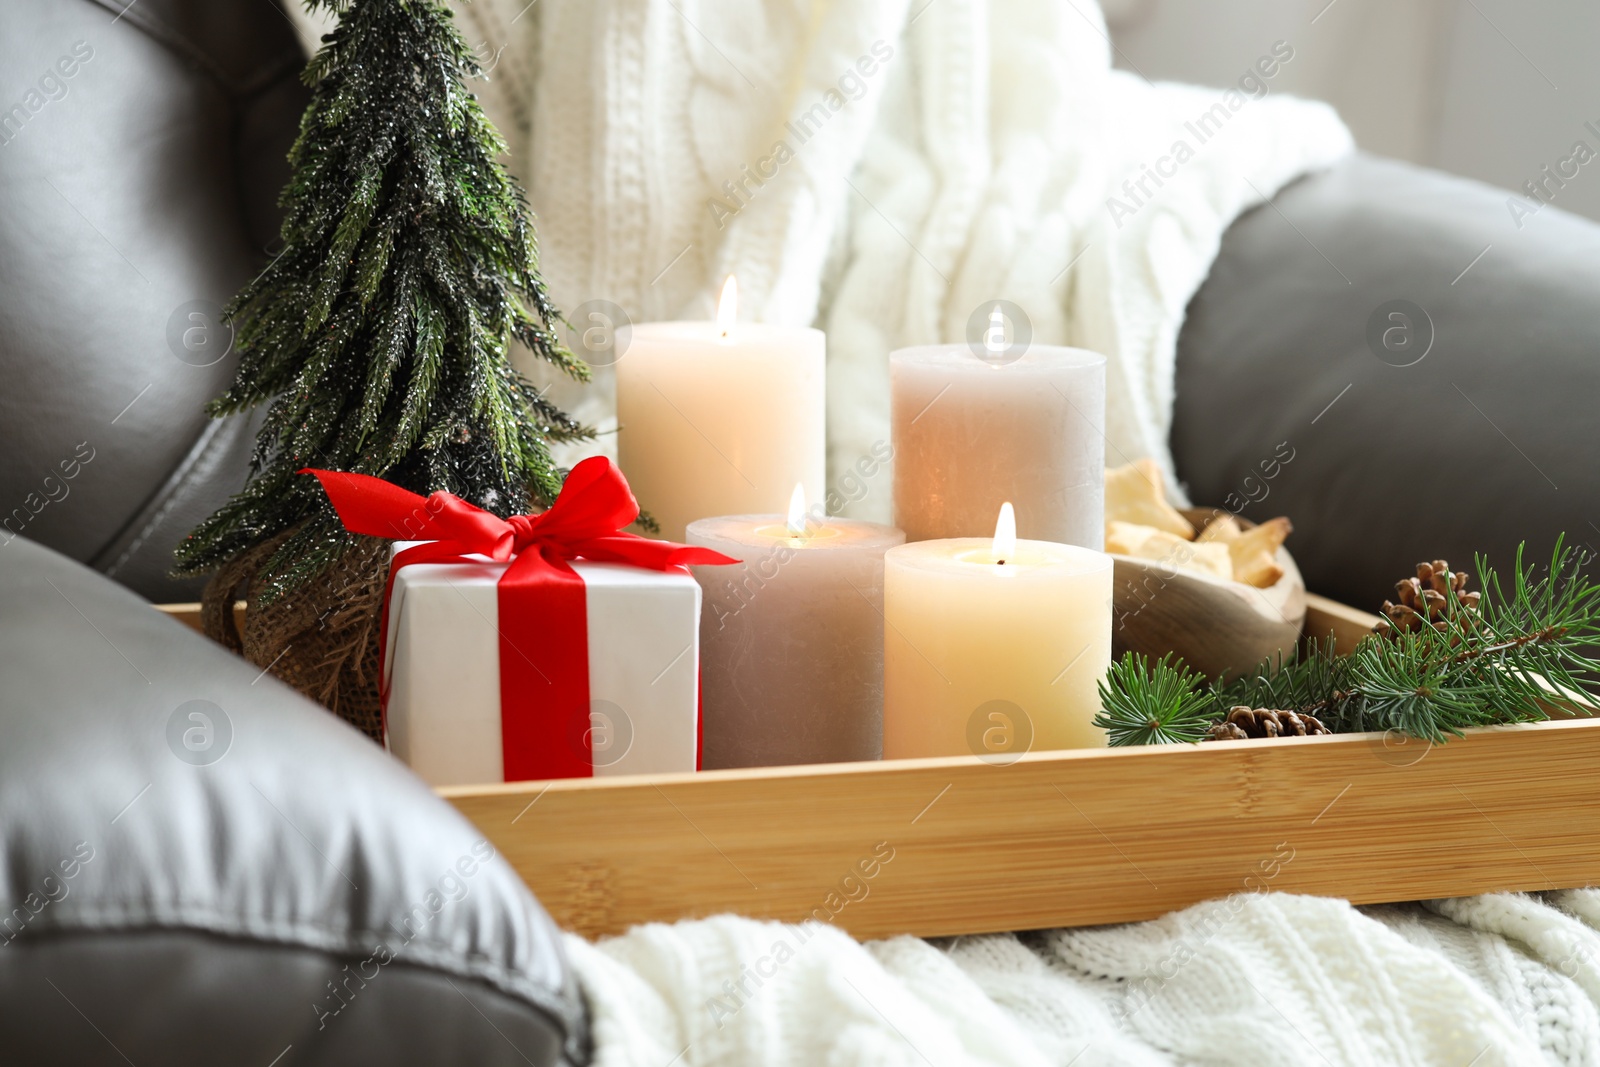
x,y
443,670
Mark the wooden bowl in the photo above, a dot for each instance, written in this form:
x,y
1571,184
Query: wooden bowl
x,y
1220,628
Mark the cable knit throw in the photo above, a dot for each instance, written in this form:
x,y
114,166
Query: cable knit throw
x,y
1257,980
883,169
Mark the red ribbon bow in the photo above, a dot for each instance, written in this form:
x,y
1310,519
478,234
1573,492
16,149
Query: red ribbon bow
x,y
544,632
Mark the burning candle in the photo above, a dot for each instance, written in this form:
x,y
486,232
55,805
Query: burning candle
x,y
994,646
718,418
973,426
791,640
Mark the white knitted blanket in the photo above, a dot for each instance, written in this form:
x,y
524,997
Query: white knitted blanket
x,y
1254,980
883,169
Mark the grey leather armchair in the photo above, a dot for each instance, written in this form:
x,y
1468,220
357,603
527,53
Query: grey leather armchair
x,y
141,154
200,865
1465,425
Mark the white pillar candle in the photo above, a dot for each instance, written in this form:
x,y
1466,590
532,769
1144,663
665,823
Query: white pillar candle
x,y
993,647
791,640
970,433
718,418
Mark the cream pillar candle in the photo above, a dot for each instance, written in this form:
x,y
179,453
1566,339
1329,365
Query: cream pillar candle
x,y
970,432
993,647
718,418
791,640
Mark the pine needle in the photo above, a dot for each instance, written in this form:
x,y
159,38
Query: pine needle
x,y
1530,651
1144,703
380,338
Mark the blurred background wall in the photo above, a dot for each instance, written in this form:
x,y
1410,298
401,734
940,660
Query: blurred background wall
x,y
1489,89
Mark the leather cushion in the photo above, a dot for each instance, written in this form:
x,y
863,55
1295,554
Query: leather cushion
x,y
133,188
219,888
1483,443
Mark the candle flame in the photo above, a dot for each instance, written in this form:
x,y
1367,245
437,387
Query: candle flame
x,y
994,338
797,511
728,305
1005,534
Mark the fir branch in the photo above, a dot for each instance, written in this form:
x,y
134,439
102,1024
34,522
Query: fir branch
x,y
1530,650
1314,680
1144,703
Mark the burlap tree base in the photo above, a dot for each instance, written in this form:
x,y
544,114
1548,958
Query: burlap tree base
x,y
321,639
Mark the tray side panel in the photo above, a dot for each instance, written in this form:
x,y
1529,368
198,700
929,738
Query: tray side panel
x,y
1346,625
189,615
938,847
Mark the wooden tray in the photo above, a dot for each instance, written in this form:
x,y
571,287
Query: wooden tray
x,y
956,846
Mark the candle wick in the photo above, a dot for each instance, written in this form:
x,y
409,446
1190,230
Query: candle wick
x,y
1001,562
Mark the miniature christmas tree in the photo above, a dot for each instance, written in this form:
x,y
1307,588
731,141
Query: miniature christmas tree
x,y
380,336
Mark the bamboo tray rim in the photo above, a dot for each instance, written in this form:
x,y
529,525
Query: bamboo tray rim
x,y
1048,757
1070,838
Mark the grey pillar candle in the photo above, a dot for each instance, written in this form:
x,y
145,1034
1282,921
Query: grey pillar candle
x,y
970,434
791,640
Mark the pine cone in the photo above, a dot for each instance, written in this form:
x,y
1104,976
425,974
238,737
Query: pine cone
x,y
1426,601
1243,722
